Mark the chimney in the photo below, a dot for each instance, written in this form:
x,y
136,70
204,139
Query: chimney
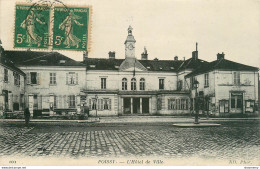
x,y
176,58
85,56
220,56
195,53
144,55
112,55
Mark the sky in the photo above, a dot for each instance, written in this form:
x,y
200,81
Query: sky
x,y
167,28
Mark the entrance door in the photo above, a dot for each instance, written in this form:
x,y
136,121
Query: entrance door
x,y
127,106
236,102
145,105
136,105
5,93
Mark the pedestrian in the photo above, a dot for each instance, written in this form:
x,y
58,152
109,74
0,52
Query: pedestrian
x,y
85,111
27,116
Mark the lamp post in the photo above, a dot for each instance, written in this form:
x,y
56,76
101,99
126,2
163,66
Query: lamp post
x,y
196,86
96,98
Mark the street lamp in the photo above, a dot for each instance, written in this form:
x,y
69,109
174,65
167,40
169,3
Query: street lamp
x,y
96,98
196,86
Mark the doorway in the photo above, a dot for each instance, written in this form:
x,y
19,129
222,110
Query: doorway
x,y
145,105
237,102
136,105
127,106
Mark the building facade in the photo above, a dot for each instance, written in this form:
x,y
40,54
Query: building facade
x,y
53,81
12,86
130,86
53,84
226,87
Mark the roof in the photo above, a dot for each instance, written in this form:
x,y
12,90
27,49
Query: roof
x,y
33,58
103,64
7,63
191,64
221,64
131,62
150,65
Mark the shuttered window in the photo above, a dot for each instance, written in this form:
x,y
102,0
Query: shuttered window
x,y
71,78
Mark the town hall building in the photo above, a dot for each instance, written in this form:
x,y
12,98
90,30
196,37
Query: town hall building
x,y
53,84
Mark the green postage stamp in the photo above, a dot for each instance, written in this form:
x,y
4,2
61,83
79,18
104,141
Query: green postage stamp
x,y
32,26
52,27
70,29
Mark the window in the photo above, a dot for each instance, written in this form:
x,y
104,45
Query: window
x,y
236,100
192,80
223,106
52,78
161,84
171,104
184,104
22,101
72,101
33,78
159,104
206,80
133,84
5,75
179,85
55,102
72,78
178,104
16,79
124,84
103,83
35,102
142,84
93,104
107,104
236,78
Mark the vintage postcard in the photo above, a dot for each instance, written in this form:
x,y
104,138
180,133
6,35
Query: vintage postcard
x,y
129,83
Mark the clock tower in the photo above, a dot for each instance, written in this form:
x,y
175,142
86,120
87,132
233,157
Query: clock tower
x,y
130,44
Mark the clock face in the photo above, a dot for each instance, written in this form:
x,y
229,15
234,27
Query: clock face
x,y
130,47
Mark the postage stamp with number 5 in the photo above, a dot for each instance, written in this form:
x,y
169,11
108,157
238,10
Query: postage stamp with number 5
x,y
70,29
31,26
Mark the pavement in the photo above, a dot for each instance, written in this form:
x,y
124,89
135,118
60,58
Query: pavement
x,y
132,137
135,119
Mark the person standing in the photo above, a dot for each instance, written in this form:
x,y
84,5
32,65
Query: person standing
x,y
85,111
27,116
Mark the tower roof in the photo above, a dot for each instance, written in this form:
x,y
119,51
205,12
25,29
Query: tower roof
x,y
130,37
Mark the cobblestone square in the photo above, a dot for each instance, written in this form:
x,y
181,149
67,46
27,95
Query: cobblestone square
x,y
234,139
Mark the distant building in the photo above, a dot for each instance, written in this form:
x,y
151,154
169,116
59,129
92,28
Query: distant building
x,y
226,87
53,81
12,85
56,84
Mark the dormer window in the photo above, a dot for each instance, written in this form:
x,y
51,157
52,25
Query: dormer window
x,y
148,67
116,67
160,68
62,61
172,68
92,66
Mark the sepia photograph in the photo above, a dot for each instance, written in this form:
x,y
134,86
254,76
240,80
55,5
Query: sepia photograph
x,y
129,83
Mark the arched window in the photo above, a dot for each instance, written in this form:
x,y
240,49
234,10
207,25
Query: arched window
x,y
142,84
133,84
124,84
